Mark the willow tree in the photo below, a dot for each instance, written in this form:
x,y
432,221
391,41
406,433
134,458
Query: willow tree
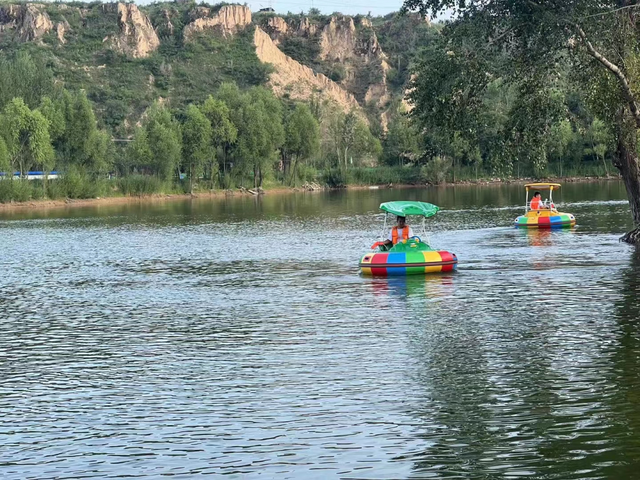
x,y
26,135
599,39
196,143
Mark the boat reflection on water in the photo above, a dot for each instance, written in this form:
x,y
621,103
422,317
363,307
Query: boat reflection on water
x,y
429,286
543,237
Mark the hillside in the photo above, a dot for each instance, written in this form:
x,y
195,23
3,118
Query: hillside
x,y
126,56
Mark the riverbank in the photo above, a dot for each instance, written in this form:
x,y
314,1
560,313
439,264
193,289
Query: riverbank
x,y
158,198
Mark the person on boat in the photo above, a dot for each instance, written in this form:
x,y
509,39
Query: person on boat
x,y
400,232
536,202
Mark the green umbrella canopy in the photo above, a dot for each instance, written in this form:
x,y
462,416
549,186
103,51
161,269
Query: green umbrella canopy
x,y
403,209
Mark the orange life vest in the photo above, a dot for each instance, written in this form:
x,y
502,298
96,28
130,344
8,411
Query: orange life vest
x,y
535,203
394,234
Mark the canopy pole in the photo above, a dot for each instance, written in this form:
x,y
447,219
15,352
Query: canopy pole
x,y
550,197
526,199
384,227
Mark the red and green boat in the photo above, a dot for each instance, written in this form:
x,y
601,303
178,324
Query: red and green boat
x,y
412,256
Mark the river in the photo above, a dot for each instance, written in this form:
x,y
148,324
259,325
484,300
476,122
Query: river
x,y
235,336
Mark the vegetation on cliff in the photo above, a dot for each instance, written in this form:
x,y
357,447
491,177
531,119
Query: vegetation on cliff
x,y
178,96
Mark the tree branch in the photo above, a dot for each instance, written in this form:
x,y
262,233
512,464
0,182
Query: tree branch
x,y
622,79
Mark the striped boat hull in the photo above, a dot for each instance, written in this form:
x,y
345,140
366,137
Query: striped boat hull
x,y
384,264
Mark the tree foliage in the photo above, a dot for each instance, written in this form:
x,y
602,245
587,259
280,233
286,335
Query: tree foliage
x,y
196,137
534,39
26,134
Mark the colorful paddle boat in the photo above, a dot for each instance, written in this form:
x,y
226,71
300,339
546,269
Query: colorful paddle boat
x,y
545,215
410,256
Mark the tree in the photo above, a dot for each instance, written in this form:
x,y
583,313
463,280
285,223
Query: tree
x,y
401,143
165,142
223,132
54,113
302,139
560,138
600,140
196,146
138,153
81,143
5,164
26,77
26,133
598,37
257,115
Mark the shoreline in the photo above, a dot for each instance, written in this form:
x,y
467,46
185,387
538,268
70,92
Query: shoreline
x,y
161,198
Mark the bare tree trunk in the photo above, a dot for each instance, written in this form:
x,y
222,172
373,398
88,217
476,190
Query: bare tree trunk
x,y
626,161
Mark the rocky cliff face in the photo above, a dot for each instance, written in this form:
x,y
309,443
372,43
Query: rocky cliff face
x,y
277,28
296,80
345,46
357,50
137,38
228,20
29,21
338,39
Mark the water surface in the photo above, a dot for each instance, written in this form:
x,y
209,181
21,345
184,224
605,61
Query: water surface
x,y
236,337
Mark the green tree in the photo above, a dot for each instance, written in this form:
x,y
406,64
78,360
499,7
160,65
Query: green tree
x,y
5,164
54,113
560,138
302,139
138,152
401,143
196,146
165,142
599,36
365,143
26,133
82,144
600,140
26,77
223,132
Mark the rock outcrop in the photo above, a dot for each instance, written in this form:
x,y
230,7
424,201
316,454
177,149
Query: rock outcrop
x,y
296,80
27,20
338,39
277,28
306,28
137,38
61,29
228,20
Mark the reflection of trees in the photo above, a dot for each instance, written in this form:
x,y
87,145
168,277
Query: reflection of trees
x,y
624,403
489,385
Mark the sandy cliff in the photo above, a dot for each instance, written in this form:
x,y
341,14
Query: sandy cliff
x,y
297,80
137,38
228,20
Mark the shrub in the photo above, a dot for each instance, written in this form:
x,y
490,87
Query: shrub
x,y
335,178
139,185
12,190
435,171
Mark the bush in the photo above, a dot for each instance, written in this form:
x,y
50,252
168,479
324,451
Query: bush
x,y
76,183
305,173
12,190
335,178
435,172
140,185
384,175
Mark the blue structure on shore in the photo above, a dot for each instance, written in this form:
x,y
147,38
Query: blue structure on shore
x,y
29,175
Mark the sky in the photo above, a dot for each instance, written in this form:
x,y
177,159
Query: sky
x,y
349,7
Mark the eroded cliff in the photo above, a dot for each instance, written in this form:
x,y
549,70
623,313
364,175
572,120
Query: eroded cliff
x,y
298,81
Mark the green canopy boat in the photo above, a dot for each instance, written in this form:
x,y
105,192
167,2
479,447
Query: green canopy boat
x,y
408,256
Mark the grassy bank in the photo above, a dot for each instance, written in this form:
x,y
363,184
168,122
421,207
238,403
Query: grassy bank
x,y
76,186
